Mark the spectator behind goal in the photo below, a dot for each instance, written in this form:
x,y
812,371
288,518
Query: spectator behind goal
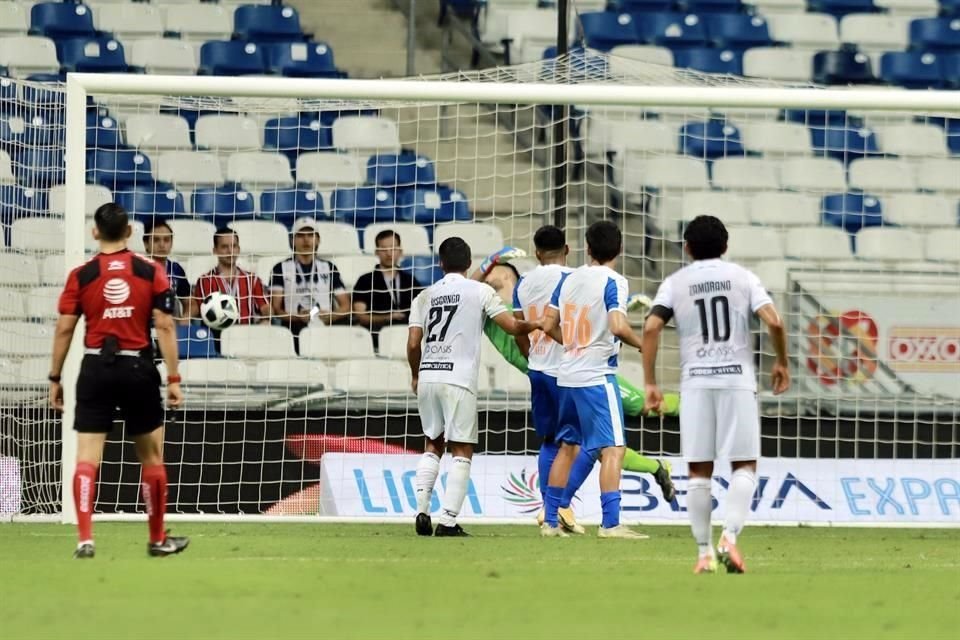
x,y
383,297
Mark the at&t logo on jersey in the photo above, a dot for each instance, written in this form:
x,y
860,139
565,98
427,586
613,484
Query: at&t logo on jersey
x,y
116,291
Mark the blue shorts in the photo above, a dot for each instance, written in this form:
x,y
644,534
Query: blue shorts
x,y
599,412
545,400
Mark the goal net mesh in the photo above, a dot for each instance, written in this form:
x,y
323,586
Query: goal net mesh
x,y
849,218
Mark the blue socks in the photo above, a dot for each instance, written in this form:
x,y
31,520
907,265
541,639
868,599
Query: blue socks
x,y
548,453
582,466
552,503
610,503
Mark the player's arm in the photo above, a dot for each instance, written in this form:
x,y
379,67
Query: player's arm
x,y
500,257
62,336
551,324
414,353
660,314
780,373
620,327
522,340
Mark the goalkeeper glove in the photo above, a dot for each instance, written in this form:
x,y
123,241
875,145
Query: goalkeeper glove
x,y
503,256
639,302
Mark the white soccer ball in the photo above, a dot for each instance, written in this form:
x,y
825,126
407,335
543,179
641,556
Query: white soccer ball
x,y
219,311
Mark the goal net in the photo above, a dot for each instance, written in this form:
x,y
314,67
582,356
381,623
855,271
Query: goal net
x,y
844,202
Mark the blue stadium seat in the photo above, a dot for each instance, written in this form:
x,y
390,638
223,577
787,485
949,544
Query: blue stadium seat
x,y
102,132
267,23
846,144
293,135
703,7
673,30
195,341
738,31
39,167
302,60
62,20
711,139
431,206
220,58
950,8
97,55
851,211
115,168
223,204
840,8
286,205
146,200
842,67
425,269
8,95
21,202
639,6
362,206
39,128
709,60
582,65
950,68
940,35
406,169
47,95
604,30
814,117
912,69
951,127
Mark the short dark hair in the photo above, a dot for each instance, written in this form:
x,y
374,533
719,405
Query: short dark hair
x,y
604,240
707,237
112,221
455,256
383,235
549,238
222,231
150,227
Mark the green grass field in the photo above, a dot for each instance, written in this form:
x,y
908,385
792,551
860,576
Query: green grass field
x,y
363,581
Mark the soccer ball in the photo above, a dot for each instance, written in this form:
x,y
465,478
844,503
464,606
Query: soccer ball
x,y
219,311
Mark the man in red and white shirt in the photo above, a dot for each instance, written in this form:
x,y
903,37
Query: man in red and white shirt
x,y
230,279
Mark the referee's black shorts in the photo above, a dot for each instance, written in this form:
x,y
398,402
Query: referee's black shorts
x,y
130,384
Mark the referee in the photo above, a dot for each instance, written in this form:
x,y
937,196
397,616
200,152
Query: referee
x,y
117,292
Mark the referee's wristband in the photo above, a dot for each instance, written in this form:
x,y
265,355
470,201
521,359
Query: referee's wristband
x,y
174,379
53,378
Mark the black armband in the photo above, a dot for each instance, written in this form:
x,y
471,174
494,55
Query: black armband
x,y
662,312
165,302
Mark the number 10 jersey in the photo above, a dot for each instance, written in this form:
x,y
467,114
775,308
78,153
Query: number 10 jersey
x,y
452,312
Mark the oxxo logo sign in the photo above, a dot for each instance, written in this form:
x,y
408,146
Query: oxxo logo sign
x,y
392,494
931,349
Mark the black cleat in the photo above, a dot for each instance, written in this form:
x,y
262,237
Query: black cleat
x,y
424,525
454,531
84,550
662,476
171,545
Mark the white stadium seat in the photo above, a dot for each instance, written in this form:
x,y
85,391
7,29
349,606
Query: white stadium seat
x,y
335,342
943,245
414,238
257,341
909,8
262,237
25,338
890,244
13,304
366,134
605,135
228,133
753,174
776,138
259,168
188,167
785,209
265,264
372,375
6,168
26,55
393,342
785,65
130,20
483,239
94,196
292,371
42,302
912,139
882,174
214,371
771,7
805,30
531,32
14,19
19,270
729,207
337,239
37,234
817,243
813,174
164,56
637,171
641,53
34,370
939,175
53,270
921,210
352,267
875,31
195,21
754,243
158,131
330,169
192,236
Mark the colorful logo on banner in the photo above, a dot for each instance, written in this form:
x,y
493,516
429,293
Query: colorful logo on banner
x,y
926,349
522,491
842,347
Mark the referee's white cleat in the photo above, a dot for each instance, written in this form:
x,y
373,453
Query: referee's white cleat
x,y
621,531
546,531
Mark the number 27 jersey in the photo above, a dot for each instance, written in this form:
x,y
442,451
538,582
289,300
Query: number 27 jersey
x,y
452,312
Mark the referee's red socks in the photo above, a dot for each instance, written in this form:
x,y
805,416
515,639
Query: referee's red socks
x,y
84,495
153,488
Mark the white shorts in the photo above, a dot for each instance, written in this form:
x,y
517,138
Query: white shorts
x,y
719,424
449,411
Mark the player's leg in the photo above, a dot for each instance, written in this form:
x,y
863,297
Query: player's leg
x,y
153,490
89,453
697,444
428,467
460,412
544,410
565,470
660,470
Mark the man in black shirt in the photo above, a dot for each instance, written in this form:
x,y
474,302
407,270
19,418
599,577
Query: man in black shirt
x,y
383,296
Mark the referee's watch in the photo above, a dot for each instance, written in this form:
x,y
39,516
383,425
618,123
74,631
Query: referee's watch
x,y
53,378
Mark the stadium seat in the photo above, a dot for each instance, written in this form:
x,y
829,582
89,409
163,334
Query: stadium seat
x,y
115,168
267,23
729,207
29,55
34,371
707,7
951,128
911,69
817,244
95,195
939,175
372,376
223,204
130,20
227,133
852,211
840,8
188,167
337,239
262,237
641,53
19,270
753,174
200,22
13,303
37,167
413,237
943,245
163,56
301,60
738,31
640,6
605,30
776,138
220,58
103,132
192,237
360,206
194,341
784,209
842,67
42,303
709,60
755,243
882,174
605,135
425,270
845,143
62,20
52,270
293,135
25,338
635,172
528,33
8,95
913,139
366,134
37,234
253,341
890,244
336,343
938,35
875,31
286,205
147,200
403,170
921,210
483,238
292,372
20,202
911,8
805,30
813,174
673,30
393,342
14,19
432,206
711,139
950,7
787,65
158,131
329,169
255,169
214,372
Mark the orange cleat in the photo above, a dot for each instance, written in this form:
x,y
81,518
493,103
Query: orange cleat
x,y
730,556
706,564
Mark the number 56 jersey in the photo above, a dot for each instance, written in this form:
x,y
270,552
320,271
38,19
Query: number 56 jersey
x,y
712,302
451,313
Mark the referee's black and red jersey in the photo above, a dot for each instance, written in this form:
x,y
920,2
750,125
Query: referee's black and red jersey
x,y
116,293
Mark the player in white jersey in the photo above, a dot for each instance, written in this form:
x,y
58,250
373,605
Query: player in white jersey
x,y
712,302
443,349
590,304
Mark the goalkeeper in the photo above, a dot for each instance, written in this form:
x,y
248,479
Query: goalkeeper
x,y
497,271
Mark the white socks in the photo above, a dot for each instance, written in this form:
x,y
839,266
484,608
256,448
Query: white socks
x,y
699,507
743,483
427,470
457,480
